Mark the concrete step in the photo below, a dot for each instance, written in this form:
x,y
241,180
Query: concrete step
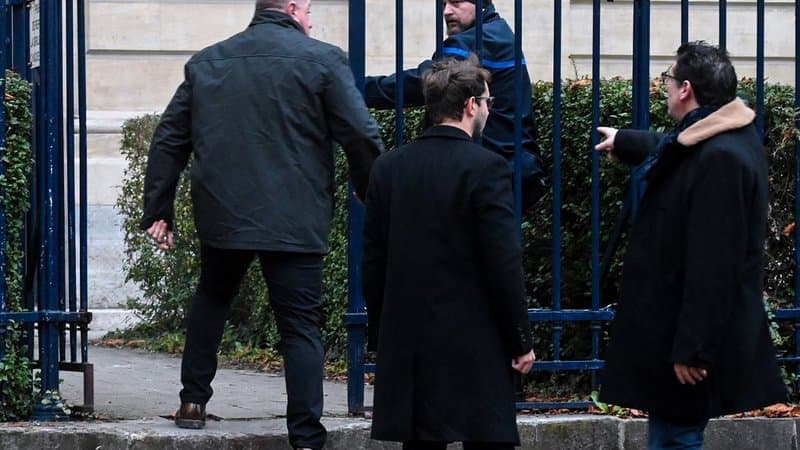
x,y
537,432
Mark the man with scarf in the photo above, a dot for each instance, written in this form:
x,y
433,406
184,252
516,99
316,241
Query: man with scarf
x,y
259,113
690,340
497,55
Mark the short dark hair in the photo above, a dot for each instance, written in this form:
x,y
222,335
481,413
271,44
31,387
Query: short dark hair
x,y
449,83
709,70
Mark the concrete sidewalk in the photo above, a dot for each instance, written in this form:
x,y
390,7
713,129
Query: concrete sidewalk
x,y
134,384
134,390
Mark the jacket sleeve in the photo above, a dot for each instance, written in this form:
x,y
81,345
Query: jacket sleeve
x,y
350,123
380,92
374,262
168,156
715,253
633,146
501,250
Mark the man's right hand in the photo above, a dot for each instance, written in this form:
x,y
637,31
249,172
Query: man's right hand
x,y
608,144
523,363
161,234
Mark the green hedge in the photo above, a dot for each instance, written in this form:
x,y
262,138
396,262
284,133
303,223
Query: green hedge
x,y
16,378
167,280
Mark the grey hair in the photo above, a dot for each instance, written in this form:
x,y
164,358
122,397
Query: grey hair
x,y
273,4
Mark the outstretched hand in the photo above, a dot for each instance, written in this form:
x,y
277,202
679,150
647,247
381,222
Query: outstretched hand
x,y
607,145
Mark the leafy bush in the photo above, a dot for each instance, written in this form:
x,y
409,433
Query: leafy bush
x,y
167,280
16,377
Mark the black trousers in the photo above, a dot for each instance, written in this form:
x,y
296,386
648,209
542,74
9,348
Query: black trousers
x,y
429,445
294,281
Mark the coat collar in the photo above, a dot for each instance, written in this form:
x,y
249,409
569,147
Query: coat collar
x,y
730,116
275,17
445,131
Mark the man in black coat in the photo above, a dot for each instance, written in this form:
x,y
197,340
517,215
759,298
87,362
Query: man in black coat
x,y
690,340
259,113
443,278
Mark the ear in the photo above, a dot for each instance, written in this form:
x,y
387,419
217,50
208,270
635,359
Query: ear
x,y
686,91
291,7
471,108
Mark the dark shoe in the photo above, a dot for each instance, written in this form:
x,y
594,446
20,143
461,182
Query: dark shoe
x,y
191,415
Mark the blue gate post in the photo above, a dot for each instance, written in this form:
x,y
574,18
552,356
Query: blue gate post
x,y
557,22
355,304
399,118
797,187
50,118
83,184
641,78
595,137
723,24
3,287
760,67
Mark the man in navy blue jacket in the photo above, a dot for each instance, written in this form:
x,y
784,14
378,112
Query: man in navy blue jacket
x,y
497,55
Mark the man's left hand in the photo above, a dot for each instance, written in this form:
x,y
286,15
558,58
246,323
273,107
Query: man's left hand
x,y
162,236
691,375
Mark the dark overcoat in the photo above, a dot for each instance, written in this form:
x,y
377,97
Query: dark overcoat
x,y
260,113
692,288
445,292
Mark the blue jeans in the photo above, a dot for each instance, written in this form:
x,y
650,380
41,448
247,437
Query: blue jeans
x,y
664,435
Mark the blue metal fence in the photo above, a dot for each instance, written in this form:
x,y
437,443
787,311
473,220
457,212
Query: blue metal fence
x,y
555,315
55,280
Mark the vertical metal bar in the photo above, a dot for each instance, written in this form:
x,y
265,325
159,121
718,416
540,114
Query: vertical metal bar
x,y
439,28
479,29
83,186
60,175
684,21
4,32
641,78
641,64
356,337
723,24
70,137
557,20
760,66
53,199
399,118
596,270
518,68
797,182
19,49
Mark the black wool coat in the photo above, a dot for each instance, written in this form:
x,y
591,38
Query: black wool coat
x,y
692,287
260,112
444,289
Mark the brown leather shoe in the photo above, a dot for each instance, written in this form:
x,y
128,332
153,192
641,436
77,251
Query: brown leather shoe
x,y
191,415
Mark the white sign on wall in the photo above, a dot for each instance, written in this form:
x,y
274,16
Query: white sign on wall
x,y
35,29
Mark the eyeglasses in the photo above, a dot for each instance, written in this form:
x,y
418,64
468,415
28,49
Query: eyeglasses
x,y
489,101
665,75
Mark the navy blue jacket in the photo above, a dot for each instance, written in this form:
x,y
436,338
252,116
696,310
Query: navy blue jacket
x,y
498,57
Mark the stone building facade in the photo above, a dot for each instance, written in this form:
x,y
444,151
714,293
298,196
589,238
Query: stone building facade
x,y
136,49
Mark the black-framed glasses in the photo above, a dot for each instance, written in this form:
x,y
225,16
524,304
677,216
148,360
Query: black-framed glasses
x,y
665,75
489,100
